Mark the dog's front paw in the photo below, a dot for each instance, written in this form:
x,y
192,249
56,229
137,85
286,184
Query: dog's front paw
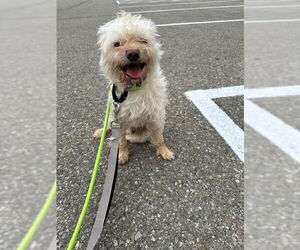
x,y
123,156
98,132
165,153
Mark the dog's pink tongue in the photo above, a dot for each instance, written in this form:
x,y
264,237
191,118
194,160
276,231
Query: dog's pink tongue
x,y
134,72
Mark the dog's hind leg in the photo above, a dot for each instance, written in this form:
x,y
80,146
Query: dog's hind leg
x,y
157,139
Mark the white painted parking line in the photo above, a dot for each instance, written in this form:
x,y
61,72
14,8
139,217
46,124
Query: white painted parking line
x,y
272,6
230,21
275,130
224,125
202,22
221,92
267,92
266,1
163,2
273,21
166,4
188,9
148,2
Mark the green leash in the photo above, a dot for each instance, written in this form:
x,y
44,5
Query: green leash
x,y
38,220
92,182
94,175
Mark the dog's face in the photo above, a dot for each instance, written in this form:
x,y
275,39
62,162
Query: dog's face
x,y
129,50
130,58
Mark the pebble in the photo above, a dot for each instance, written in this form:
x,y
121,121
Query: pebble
x,y
137,236
153,239
33,245
115,243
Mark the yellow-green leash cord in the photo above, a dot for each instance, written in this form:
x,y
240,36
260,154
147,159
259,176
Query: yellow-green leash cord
x,y
92,182
38,220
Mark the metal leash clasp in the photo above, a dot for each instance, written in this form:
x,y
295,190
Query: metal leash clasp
x,y
115,124
117,108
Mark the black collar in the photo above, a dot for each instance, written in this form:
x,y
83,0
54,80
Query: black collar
x,y
117,99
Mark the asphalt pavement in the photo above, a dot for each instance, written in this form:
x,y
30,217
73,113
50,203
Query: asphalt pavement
x,y
271,174
28,113
192,202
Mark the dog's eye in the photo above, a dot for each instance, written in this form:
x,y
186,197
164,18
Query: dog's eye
x,y
117,44
144,41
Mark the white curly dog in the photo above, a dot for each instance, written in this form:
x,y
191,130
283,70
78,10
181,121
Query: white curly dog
x,y
130,57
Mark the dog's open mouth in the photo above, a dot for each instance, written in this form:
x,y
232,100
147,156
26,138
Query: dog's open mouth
x,y
134,70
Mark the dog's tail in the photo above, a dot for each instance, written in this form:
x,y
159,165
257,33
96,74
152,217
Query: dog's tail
x,y
137,135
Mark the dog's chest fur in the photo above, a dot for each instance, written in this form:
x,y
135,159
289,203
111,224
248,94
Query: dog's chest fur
x,y
145,105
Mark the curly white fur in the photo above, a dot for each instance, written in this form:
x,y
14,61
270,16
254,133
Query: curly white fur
x,y
144,107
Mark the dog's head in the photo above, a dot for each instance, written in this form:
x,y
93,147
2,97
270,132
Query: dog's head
x,y
129,49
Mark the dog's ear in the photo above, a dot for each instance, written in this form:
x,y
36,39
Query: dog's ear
x,y
100,35
105,28
102,31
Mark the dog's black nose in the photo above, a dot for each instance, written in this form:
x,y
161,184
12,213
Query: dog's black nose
x,y
133,54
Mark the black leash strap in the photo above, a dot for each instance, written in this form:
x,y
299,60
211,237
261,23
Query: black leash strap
x,y
106,197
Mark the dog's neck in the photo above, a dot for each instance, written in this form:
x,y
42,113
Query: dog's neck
x,y
134,85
